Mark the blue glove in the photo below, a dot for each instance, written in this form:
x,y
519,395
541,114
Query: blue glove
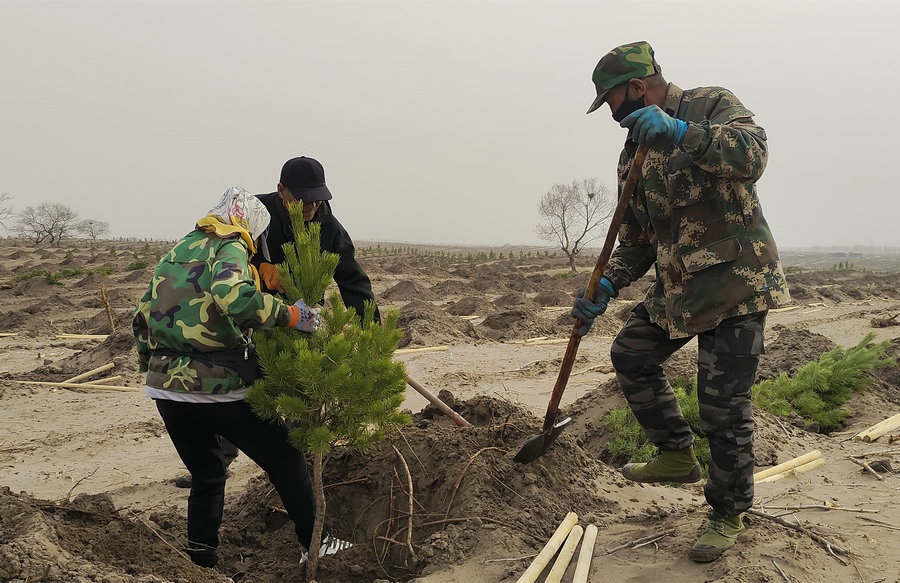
x,y
586,310
652,126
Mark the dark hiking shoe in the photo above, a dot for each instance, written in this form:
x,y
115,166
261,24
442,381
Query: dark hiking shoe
x,y
720,535
679,466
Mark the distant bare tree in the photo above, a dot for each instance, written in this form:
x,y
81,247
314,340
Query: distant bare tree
x,y
93,229
573,215
6,209
47,222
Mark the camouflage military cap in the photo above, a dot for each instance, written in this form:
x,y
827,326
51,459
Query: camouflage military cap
x,y
631,61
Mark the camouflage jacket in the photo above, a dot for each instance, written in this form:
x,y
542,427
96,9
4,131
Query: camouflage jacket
x,y
201,299
696,216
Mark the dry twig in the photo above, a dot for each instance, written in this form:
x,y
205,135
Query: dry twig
x,y
463,473
834,550
866,466
781,572
640,542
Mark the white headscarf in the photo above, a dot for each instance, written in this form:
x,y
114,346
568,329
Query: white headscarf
x,y
240,208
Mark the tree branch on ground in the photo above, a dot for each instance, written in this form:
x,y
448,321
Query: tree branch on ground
x,y
573,215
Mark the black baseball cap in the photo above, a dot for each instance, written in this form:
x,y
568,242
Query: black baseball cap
x,y
305,178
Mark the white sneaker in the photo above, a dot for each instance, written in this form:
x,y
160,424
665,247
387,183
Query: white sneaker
x,y
330,546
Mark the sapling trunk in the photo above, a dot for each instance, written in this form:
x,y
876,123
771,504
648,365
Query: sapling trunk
x,y
319,523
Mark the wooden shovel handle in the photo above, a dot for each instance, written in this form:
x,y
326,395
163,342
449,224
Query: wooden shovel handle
x,y
574,339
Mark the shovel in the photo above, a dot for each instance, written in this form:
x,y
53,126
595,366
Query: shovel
x,y
537,445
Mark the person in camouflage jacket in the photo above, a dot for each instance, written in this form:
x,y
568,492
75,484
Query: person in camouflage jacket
x,y
192,329
696,219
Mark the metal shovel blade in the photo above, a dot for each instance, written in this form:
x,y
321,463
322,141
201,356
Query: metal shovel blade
x,y
537,445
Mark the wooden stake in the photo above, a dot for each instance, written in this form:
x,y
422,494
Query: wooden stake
x,y
583,567
91,372
83,336
107,380
780,468
874,432
802,468
565,555
543,558
109,315
425,349
76,385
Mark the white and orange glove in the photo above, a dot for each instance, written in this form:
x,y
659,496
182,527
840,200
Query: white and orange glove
x,y
268,272
303,317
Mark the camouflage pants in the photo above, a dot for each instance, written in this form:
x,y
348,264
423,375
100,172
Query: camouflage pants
x,y
726,370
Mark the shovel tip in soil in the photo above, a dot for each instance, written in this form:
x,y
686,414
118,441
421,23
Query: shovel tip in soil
x,y
537,445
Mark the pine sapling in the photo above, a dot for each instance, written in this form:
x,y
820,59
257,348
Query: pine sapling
x,y
338,385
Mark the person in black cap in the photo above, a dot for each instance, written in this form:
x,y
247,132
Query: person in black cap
x,y
303,179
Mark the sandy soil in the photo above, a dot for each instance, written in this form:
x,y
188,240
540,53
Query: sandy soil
x,y
86,477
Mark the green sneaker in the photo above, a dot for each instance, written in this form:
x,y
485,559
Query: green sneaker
x,y
720,535
680,466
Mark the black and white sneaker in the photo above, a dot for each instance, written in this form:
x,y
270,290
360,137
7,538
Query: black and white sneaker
x,y
330,546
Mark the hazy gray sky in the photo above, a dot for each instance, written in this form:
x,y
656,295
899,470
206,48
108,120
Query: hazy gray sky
x,y
437,122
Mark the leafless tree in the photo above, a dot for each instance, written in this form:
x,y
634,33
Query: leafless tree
x,y
93,229
573,215
6,209
46,222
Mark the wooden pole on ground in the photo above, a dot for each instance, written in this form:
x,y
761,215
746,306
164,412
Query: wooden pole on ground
x,y
565,555
76,385
543,558
788,465
91,372
879,429
587,553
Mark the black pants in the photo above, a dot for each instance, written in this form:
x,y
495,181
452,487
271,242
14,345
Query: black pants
x,y
194,429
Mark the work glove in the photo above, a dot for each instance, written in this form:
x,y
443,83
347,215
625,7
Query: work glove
x,y
586,310
269,274
303,317
652,126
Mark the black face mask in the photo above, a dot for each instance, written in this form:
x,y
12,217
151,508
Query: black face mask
x,y
628,107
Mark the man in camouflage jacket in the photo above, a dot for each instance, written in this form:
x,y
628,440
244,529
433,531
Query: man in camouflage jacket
x,y
695,218
192,329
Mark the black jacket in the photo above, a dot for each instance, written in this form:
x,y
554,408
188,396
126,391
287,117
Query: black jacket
x,y
349,276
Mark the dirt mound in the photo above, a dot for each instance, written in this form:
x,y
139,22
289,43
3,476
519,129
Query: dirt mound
x,y
142,275
118,348
553,298
471,306
426,325
487,497
33,286
13,321
407,290
514,298
516,324
450,287
791,349
86,539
